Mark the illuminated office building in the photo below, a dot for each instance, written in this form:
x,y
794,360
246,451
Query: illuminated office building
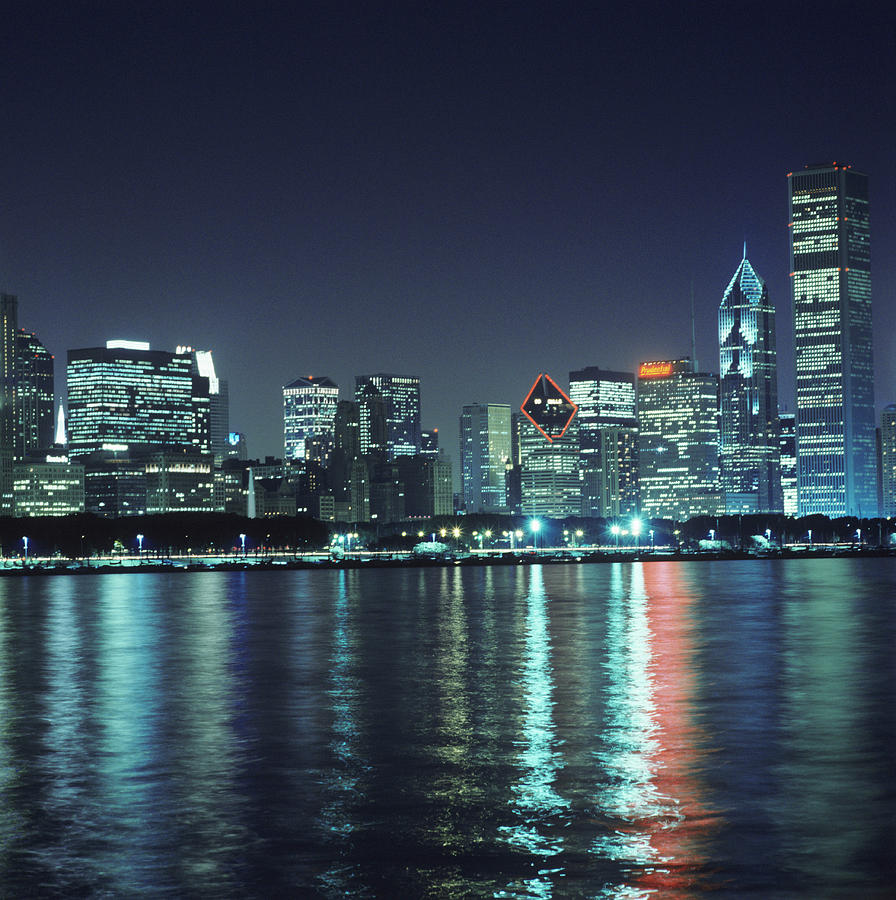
x,y
888,462
429,442
125,397
211,399
48,485
830,273
679,441
787,444
372,432
401,397
179,479
749,452
608,441
309,412
484,454
9,325
34,389
549,472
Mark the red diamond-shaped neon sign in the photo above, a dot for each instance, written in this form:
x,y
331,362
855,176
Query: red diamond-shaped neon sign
x,y
548,408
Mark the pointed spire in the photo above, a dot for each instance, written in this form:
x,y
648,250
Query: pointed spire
x,y
61,438
693,329
745,249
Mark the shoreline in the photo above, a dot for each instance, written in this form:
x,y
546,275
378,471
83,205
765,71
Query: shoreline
x,y
321,562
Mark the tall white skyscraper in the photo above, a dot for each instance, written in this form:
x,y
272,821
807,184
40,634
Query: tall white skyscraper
x,y
830,272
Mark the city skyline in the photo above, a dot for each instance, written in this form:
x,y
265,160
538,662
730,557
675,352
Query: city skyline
x,y
385,192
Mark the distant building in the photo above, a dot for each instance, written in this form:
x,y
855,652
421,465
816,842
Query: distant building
x,y
679,441
309,410
749,451
427,486
787,443
429,442
179,480
608,441
127,397
35,396
212,399
372,428
830,273
114,483
485,450
9,325
401,396
888,462
48,485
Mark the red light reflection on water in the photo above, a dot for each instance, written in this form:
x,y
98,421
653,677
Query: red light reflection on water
x,y
680,842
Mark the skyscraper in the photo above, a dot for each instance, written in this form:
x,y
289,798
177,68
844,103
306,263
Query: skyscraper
x,y
830,272
34,389
608,440
309,412
484,454
127,397
401,395
787,443
888,462
679,440
9,324
549,472
748,396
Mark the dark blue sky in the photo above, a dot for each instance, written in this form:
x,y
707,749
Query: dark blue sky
x,y
472,195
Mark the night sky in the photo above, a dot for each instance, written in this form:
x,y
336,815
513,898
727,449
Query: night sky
x,y
468,193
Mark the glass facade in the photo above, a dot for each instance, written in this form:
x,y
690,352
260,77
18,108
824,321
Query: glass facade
x,y
608,441
34,395
831,280
129,398
888,462
401,397
679,441
549,472
748,396
309,412
787,444
485,453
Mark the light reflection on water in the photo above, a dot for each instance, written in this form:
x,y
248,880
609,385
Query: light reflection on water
x,y
624,731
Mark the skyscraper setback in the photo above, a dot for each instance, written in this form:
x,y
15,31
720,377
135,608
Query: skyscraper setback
x,y
748,396
830,272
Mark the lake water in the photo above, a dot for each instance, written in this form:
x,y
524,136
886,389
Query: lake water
x,y
624,730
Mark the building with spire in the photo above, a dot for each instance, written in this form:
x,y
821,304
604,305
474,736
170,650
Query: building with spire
x,y
830,272
749,450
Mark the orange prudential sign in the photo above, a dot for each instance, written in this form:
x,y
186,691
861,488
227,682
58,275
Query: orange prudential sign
x,y
655,370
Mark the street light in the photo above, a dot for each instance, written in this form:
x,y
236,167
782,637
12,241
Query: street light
x,y
768,534
651,539
810,537
25,542
636,531
615,531
456,532
535,526
712,534
243,542
139,545
859,535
